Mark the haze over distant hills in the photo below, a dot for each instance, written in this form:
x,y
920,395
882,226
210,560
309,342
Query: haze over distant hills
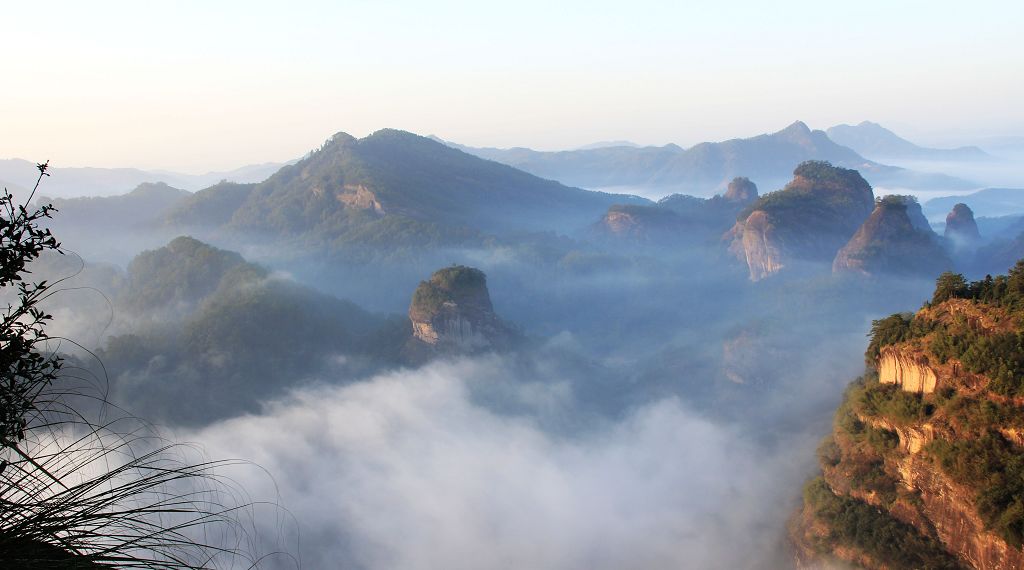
x,y
707,168
72,182
617,165
606,144
990,202
877,142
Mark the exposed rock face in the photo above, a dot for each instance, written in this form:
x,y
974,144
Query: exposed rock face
x,y
358,197
640,223
452,314
810,219
889,242
951,510
961,227
911,374
620,222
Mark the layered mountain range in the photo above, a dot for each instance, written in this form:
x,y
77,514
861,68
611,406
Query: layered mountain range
x,y
708,167
395,191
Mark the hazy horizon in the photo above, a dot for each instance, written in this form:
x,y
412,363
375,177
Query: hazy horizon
x,y
196,88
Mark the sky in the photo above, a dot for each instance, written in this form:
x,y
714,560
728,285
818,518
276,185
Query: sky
x,y
194,86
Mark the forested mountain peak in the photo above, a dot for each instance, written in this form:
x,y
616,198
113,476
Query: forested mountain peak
x,y
394,183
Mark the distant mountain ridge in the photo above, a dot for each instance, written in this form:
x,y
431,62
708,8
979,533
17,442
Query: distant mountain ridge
x,y
875,141
73,182
145,204
606,144
706,168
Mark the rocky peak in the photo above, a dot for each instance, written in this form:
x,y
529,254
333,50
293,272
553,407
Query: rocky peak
x,y
961,227
451,313
889,242
741,191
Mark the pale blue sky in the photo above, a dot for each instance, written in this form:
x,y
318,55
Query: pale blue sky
x,y
195,86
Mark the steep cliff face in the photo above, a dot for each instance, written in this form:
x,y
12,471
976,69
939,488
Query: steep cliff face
x,y
889,243
911,373
452,314
924,467
758,244
810,219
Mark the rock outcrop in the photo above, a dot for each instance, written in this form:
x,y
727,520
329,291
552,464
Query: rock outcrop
x,y
889,243
808,220
741,191
640,223
451,313
961,228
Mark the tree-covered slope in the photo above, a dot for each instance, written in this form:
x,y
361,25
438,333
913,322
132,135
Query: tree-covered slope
x,y
230,334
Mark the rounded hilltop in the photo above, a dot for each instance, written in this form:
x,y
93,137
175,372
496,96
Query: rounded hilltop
x,y
459,285
451,313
